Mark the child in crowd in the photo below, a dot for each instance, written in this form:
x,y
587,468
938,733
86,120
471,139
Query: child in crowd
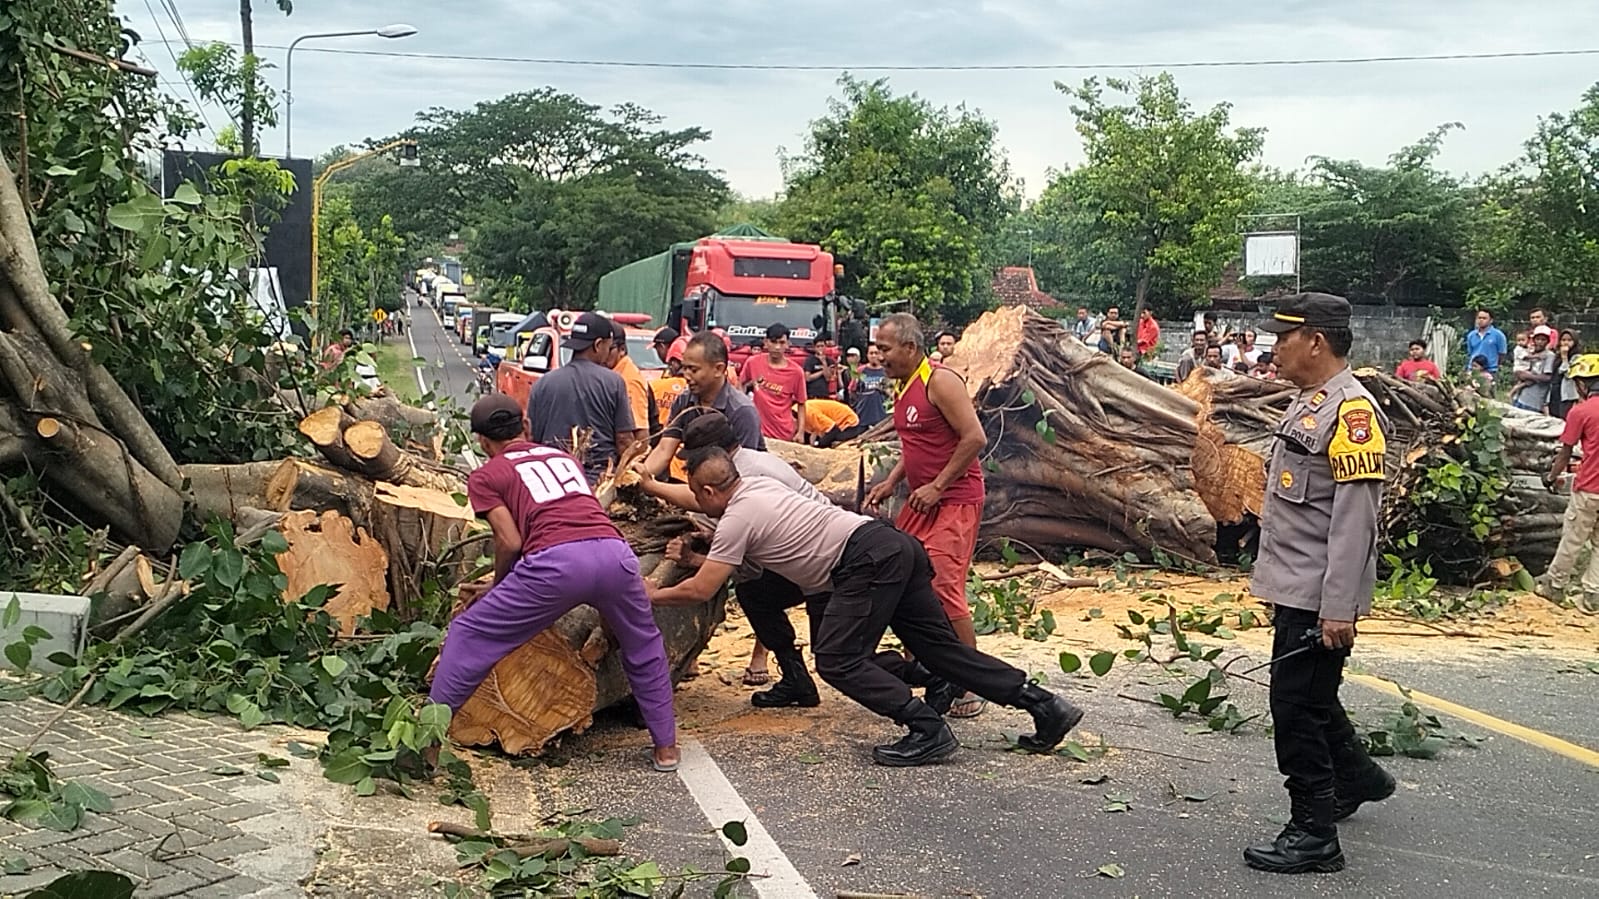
x,y
1482,380
1520,356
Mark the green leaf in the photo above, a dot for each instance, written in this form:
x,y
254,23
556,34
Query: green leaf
x,y
300,750
185,194
738,865
24,809
195,561
252,716
1075,750
86,885
60,171
86,796
346,767
434,715
1113,871
365,786
268,776
274,543
335,666
61,816
12,614
34,633
735,833
13,865
228,567
1070,663
1100,662
20,655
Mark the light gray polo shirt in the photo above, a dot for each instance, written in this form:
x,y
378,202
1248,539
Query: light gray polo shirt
x,y
772,526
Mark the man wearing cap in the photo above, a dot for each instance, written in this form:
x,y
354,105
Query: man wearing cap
x,y
554,549
669,346
638,389
777,385
1317,566
1536,376
705,370
765,596
877,577
584,395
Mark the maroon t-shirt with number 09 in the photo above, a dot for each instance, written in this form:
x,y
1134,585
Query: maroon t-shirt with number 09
x,y
546,493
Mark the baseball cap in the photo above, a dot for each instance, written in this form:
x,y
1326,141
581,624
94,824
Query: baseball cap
x,y
777,331
666,336
852,351
1544,330
1314,310
495,412
589,327
618,332
709,428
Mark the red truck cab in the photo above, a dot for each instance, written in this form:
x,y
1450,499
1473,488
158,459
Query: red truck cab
x,y
741,287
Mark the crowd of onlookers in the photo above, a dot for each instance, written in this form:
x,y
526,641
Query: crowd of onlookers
x,y
1230,353
1538,378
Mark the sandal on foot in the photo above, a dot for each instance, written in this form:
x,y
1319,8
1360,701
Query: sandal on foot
x,y
968,706
757,677
663,767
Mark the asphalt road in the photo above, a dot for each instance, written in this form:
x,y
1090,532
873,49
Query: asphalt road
x,y
448,372
1504,818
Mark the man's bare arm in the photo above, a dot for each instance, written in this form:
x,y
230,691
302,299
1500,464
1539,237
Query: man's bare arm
x,y
697,589
507,541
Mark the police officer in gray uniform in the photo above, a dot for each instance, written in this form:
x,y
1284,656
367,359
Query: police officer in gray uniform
x,y
1317,566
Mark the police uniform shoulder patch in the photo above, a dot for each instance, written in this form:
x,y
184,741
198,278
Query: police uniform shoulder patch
x,y
1357,446
1317,398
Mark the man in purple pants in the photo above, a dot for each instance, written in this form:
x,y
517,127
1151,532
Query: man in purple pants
x,y
554,549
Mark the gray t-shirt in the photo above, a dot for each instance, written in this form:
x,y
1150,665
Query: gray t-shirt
x,y
1536,395
772,526
739,409
580,394
754,463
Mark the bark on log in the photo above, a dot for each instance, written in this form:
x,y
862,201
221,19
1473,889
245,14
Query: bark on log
x,y
554,683
838,473
416,430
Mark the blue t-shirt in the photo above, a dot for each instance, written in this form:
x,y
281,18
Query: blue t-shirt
x,y
1489,344
870,396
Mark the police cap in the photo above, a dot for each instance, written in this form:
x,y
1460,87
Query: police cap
x,y
1308,310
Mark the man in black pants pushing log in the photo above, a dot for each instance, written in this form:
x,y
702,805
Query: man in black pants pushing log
x,y
878,577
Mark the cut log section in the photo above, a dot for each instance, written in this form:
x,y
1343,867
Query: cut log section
x,y
554,683
415,525
329,549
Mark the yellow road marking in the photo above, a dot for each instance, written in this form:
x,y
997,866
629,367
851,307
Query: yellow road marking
x,y
1509,728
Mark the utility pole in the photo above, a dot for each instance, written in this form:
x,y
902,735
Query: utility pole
x,y
247,119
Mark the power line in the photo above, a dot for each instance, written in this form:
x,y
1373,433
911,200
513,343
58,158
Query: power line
x,y
198,107
974,67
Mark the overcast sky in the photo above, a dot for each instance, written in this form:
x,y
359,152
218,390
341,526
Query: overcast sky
x,y
1346,111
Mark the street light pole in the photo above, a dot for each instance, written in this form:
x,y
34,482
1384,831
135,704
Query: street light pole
x,y
408,158
387,31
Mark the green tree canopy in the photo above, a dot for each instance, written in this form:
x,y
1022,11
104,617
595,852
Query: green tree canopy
x,y
554,191
1164,186
904,194
1392,233
1538,237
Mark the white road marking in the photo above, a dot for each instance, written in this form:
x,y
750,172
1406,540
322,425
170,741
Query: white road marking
x,y
421,386
721,803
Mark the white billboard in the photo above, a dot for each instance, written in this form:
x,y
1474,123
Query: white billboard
x,y
1271,253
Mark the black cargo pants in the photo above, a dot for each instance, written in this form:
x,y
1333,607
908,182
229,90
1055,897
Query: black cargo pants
x,y
884,579
1307,718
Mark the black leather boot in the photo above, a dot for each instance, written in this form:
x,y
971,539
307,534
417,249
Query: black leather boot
x,y
939,695
796,689
1308,843
929,740
1053,718
1357,779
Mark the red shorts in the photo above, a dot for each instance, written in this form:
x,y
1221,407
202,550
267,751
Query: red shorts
x,y
949,535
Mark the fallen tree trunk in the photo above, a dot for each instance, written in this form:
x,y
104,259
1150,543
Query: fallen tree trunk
x,y
63,412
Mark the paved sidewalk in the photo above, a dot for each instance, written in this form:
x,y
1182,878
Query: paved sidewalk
x,y
180,826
